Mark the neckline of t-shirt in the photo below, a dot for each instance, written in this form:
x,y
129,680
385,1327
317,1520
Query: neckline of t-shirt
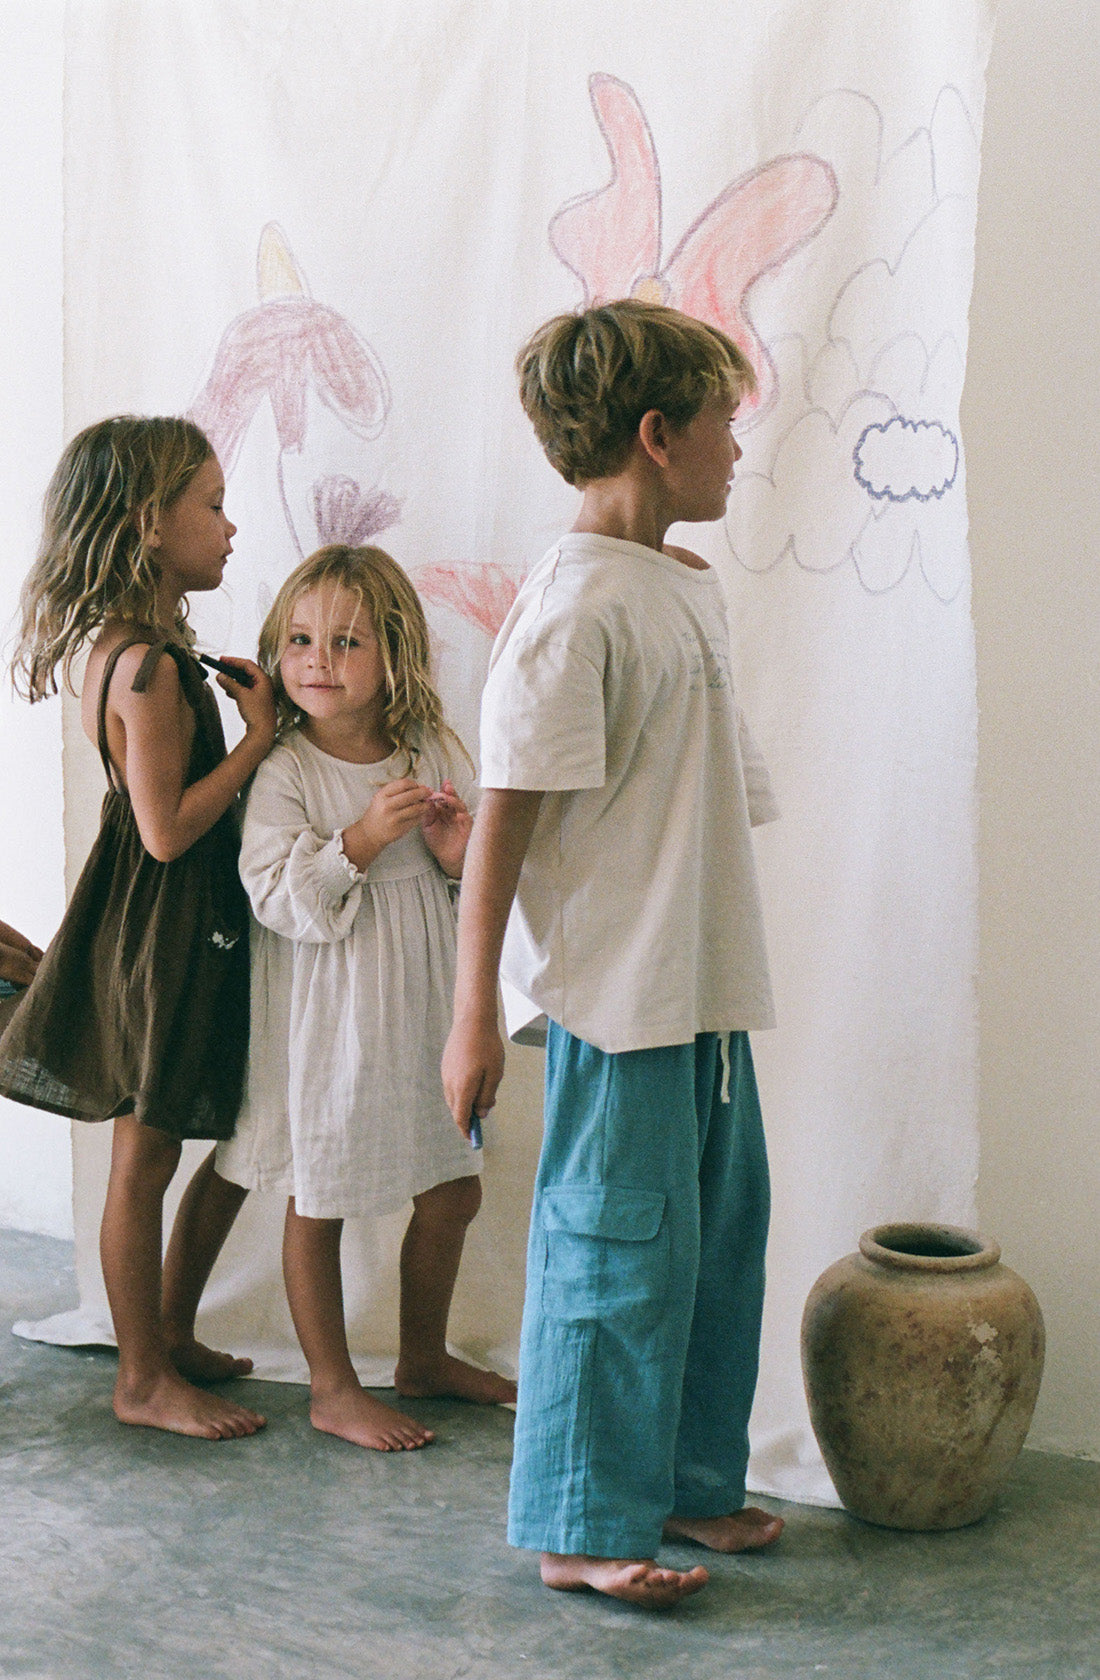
x,y
352,763
577,541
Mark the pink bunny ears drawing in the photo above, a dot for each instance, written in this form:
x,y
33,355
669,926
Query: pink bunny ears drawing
x,y
611,238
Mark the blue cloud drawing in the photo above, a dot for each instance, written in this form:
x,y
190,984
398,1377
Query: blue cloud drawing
x,y
906,460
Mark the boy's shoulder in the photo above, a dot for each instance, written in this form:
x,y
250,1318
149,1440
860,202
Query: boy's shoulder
x,y
589,566
687,557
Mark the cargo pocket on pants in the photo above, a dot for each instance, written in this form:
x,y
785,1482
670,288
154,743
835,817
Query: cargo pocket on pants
x,y
605,1254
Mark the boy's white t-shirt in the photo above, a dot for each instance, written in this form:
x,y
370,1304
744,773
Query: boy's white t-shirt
x,y
637,918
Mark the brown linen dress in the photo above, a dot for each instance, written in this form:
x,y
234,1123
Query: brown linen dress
x,y
140,1004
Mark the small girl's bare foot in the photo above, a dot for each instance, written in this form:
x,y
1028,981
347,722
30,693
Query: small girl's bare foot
x,y
356,1416
742,1531
636,1581
168,1402
453,1379
197,1363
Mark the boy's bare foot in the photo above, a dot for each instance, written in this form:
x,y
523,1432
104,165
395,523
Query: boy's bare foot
x,y
742,1531
356,1416
168,1402
453,1379
197,1363
635,1580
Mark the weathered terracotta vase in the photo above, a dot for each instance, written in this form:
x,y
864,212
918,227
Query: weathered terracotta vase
x,y
922,1357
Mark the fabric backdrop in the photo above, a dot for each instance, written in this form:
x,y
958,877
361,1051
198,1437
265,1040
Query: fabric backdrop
x,y
325,227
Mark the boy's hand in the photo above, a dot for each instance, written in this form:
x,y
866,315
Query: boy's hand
x,y
446,827
18,957
395,809
473,1064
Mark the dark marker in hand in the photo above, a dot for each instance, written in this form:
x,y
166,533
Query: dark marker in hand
x,y
237,672
475,1132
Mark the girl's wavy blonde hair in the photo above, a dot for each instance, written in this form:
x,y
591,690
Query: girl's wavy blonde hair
x,y
392,608
95,561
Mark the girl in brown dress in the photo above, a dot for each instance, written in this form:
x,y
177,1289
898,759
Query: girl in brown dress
x,y
138,1012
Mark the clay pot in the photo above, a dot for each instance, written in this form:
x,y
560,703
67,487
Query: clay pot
x,y
922,1356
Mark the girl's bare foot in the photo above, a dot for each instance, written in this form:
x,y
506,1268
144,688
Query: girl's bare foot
x,y
742,1531
634,1580
168,1402
355,1416
197,1363
453,1379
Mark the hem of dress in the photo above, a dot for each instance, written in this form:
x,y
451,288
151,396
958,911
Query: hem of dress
x,y
128,1107
262,1184
116,1114
55,1108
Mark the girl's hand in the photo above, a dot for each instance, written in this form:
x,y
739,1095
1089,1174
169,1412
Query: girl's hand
x,y
18,957
255,703
446,827
395,811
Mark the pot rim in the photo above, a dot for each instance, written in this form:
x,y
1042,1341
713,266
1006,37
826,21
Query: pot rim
x,y
904,1245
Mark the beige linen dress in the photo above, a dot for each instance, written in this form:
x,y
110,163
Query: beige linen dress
x,y
352,982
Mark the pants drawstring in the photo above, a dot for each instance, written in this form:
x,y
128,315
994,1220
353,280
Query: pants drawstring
x,y
724,1051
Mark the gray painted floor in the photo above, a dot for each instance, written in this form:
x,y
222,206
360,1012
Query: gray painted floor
x,y
291,1556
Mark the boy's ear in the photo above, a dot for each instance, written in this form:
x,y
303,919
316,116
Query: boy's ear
x,y
653,436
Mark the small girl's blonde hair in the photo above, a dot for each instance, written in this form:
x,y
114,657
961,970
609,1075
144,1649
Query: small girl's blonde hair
x,y
95,561
392,608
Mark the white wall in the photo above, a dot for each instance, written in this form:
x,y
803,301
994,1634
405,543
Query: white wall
x,y
35,1171
1032,427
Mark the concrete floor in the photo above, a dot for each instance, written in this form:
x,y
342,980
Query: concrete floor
x,y
291,1556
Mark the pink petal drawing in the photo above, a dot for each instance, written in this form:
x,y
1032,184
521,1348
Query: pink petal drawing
x,y
611,238
344,513
482,593
752,228
280,349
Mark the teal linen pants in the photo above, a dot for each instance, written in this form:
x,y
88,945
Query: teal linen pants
x,y
645,1285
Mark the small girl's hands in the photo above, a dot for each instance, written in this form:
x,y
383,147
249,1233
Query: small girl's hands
x,y
394,811
446,826
256,703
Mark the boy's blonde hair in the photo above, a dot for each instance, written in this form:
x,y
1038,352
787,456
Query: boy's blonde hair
x,y
95,561
392,609
587,379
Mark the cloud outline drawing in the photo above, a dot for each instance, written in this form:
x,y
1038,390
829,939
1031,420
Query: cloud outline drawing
x,y
868,461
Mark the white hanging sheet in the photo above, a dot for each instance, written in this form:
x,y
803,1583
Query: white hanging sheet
x,y
325,228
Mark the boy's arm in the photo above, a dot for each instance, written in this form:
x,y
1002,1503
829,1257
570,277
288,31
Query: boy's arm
x,y
473,1060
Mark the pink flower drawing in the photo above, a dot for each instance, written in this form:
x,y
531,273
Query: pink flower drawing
x,y
284,347
611,238
481,593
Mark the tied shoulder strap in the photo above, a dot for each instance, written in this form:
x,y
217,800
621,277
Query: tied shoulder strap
x,y
191,677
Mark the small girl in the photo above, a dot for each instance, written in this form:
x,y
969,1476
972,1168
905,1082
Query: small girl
x,y
138,1012
349,859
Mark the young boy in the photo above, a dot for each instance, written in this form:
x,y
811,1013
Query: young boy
x,y
619,787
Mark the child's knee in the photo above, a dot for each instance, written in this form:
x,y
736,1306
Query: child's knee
x,y
142,1152
453,1203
